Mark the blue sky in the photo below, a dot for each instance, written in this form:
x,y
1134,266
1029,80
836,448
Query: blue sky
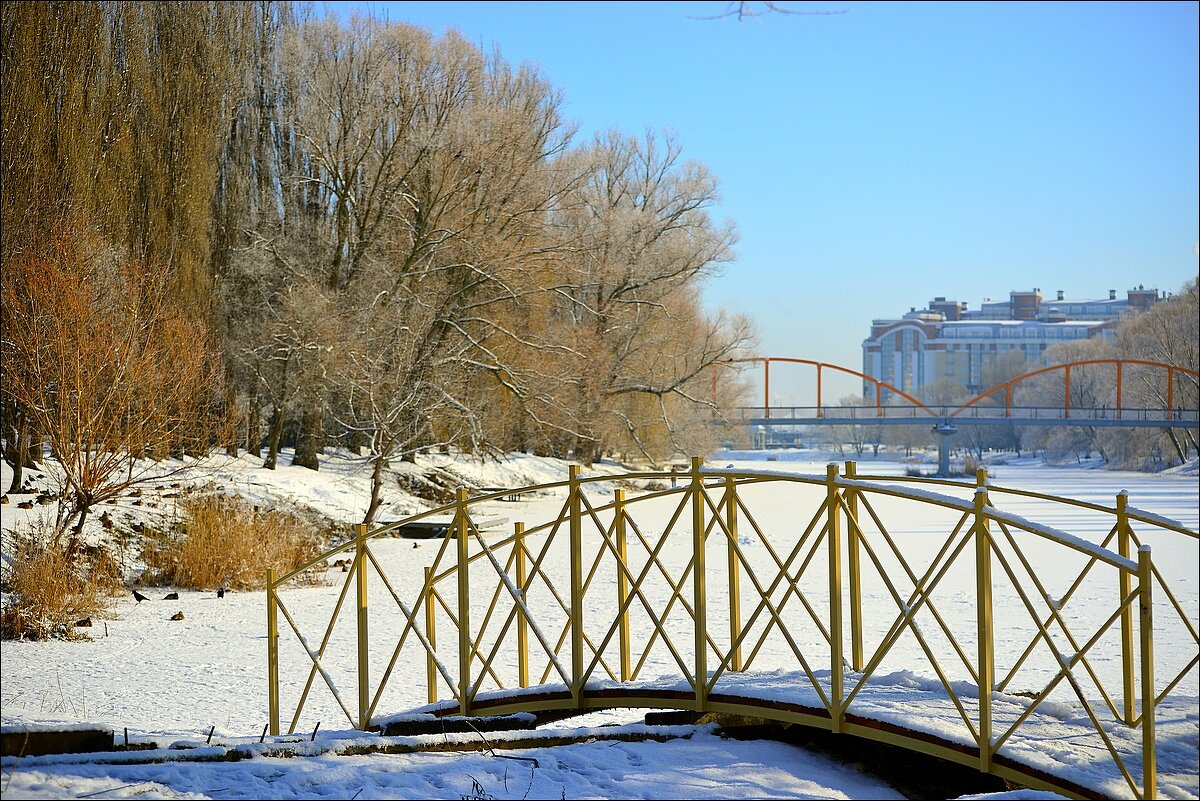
x,y
876,158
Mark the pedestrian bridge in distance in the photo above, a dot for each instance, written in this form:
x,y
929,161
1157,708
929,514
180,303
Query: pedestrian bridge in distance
x,y
1100,398
871,607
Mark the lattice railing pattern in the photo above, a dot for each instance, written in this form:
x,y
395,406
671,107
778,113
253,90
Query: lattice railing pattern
x,y
701,584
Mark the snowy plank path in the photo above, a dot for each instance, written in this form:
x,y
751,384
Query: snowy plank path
x,y
1057,739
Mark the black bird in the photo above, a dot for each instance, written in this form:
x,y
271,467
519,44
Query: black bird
x,y
137,596
220,592
171,596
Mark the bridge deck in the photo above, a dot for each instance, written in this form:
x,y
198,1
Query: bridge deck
x,y
975,416
1059,748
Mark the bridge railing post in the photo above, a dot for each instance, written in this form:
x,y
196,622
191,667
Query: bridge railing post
x,y
735,584
364,686
983,596
836,658
272,654
1124,587
462,534
698,588
1146,617
522,622
576,532
622,580
853,566
431,691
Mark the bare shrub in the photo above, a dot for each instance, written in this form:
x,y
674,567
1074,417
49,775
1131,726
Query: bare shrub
x,y
50,586
227,542
105,365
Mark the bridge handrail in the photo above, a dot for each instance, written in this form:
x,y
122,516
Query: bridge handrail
x,y
870,483
863,482
1133,513
1005,386
1066,367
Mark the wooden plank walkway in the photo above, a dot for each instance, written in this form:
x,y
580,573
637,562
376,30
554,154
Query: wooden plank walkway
x,y
1057,747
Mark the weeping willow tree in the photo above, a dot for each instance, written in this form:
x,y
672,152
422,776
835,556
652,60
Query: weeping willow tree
x,y
114,119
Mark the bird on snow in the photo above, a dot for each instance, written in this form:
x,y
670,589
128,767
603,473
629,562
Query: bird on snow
x,y
220,592
171,596
137,596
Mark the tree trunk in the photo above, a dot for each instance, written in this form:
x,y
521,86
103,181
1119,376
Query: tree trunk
x,y
253,425
274,437
376,490
20,455
82,505
232,446
587,450
308,441
1178,448
31,454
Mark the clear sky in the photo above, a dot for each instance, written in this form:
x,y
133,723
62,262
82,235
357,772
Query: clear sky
x,y
876,158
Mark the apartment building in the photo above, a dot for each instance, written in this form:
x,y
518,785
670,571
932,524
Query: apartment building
x,y
948,340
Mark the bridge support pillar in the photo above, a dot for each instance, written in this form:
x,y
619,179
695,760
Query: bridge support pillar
x,y
944,431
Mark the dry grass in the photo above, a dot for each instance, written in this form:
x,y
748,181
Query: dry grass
x,y
227,542
51,588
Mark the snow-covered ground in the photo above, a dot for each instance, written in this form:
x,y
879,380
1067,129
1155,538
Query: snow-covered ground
x,y
170,681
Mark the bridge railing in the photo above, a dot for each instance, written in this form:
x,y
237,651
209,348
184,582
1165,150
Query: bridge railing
x,y
698,589
1172,387
872,415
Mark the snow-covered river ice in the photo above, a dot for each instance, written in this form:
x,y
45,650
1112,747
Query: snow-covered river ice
x,y
163,678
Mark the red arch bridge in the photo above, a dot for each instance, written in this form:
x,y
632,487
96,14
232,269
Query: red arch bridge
x,y
868,606
1092,392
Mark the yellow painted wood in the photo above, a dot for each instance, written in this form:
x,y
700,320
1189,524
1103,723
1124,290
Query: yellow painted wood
x,y
1124,582
734,569
431,691
1146,629
360,565
853,532
983,616
699,597
622,579
576,614
833,531
272,654
522,623
463,535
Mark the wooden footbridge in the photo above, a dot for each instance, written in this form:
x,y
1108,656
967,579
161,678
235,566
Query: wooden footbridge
x,y
838,608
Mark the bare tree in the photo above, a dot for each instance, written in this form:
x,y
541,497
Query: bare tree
x,y
1167,332
744,9
424,179
642,242
858,435
1091,386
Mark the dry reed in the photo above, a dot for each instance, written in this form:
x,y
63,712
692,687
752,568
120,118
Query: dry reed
x,y
51,586
227,542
